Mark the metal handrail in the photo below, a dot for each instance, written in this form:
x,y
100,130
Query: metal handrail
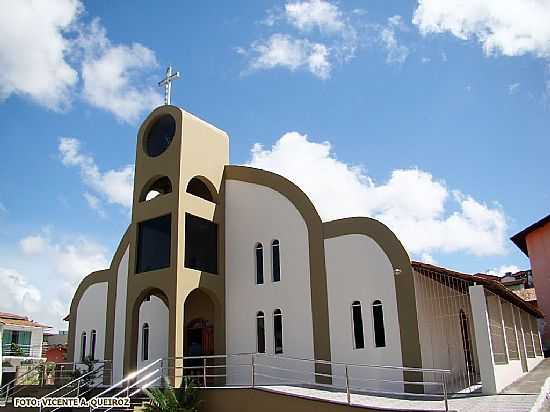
x,y
78,387
443,373
127,378
76,380
12,383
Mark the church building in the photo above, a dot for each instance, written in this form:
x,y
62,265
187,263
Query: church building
x,y
225,259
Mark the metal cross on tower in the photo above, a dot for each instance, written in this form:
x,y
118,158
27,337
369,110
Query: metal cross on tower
x,y
167,83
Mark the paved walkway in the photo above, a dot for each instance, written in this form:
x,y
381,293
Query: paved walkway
x,y
518,397
531,382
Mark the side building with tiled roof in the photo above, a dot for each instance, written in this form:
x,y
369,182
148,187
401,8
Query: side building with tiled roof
x,y
21,343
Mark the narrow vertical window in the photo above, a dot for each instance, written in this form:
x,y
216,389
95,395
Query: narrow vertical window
x,y
278,330
260,332
83,347
93,338
357,320
145,342
259,264
378,320
276,261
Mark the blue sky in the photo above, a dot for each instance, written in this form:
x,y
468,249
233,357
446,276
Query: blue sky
x,y
431,119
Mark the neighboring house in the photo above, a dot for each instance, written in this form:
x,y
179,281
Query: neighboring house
x,y
534,241
56,349
21,343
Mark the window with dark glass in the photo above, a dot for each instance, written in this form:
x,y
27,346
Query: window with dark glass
x,y
259,264
278,330
276,260
93,338
260,332
83,347
154,240
160,135
201,244
145,342
198,188
18,340
357,320
160,186
378,321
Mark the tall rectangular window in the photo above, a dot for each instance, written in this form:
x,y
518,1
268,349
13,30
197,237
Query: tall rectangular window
x,y
276,260
378,321
260,331
201,244
154,240
357,320
278,330
93,339
259,264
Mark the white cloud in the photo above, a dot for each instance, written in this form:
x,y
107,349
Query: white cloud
x,y
512,28
43,45
425,214
114,76
396,53
3,208
115,186
502,270
427,258
425,60
282,50
513,88
321,36
17,294
95,203
33,245
33,51
67,261
306,15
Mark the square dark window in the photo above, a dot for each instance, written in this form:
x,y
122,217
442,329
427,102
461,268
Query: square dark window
x,y
201,244
154,241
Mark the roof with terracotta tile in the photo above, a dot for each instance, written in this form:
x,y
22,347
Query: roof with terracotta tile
x,y
18,320
492,285
528,295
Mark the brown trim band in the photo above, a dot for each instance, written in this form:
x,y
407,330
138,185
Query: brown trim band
x,y
107,275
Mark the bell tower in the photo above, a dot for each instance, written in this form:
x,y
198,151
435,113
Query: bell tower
x,y
177,230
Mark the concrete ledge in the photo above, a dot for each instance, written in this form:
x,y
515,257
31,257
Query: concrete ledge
x,y
254,400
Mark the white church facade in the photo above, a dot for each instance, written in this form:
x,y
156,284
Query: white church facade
x,y
223,259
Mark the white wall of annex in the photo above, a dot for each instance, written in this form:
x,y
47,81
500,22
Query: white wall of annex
x,y
359,270
90,315
155,313
120,317
254,214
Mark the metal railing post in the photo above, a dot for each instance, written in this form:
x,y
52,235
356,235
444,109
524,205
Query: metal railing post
x,y
348,391
78,389
161,368
253,372
204,372
445,392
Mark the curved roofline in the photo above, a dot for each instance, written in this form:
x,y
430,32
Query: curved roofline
x,y
318,232
317,269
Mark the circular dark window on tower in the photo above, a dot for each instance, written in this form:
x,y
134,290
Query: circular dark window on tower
x,y
160,135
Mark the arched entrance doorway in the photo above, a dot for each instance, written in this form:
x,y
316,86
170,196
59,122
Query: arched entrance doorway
x,y
199,324
467,347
